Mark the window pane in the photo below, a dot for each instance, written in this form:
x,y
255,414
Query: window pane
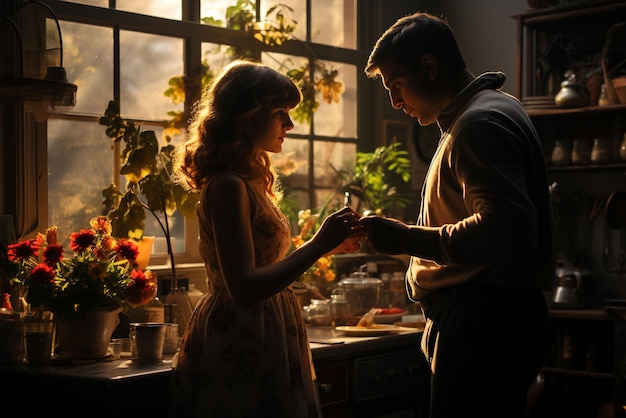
x,y
298,13
148,63
176,221
88,60
215,9
215,56
284,63
333,22
75,190
293,166
169,9
338,118
330,159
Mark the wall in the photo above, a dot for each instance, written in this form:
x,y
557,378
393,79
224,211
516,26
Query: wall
x,y
485,31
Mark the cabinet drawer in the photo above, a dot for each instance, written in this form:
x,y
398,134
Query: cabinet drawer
x,y
385,374
332,382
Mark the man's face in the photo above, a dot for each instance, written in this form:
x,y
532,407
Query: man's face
x,y
411,91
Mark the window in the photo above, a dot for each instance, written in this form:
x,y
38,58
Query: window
x,y
130,53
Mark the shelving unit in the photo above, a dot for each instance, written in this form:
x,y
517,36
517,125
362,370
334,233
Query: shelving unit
x,y
584,370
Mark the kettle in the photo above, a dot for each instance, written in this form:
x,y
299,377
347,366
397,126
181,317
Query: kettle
x,y
570,288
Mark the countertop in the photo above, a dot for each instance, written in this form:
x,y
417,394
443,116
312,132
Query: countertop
x,y
325,342
107,387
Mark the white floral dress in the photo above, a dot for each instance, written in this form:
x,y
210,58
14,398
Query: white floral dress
x,y
253,362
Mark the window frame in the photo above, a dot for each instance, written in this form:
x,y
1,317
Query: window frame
x,y
194,34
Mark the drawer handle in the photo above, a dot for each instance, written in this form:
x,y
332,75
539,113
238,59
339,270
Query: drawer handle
x,y
325,387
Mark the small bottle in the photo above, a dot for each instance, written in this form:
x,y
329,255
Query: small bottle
x,y
603,100
398,290
154,311
194,295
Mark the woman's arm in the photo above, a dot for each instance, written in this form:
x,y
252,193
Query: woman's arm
x,y
230,213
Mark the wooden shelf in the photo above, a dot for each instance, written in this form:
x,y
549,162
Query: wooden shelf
x,y
587,314
578,373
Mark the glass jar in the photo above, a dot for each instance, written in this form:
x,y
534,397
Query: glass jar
x,y
562,152
318,313
601,151
581,151
339,308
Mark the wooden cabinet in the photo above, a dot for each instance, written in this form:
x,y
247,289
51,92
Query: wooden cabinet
x,y
578,376
584,371
552,42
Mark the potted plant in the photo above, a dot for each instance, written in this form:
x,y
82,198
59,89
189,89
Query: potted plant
x,y
85,292
150,187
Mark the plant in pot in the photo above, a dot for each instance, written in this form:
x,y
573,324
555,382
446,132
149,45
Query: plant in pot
x,y
147,168
86,291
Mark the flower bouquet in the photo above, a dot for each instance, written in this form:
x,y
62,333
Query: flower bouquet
x,y
101,274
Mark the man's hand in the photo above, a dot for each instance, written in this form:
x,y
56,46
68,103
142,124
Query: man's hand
x,y
385,235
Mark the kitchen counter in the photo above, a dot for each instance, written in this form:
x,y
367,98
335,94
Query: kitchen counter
x,y
114,385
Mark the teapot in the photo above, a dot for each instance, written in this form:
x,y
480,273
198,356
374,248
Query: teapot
x,y
572,92
570,287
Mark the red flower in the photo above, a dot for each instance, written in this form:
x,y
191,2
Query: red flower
x,y
80,241
101,224
23,250
52,254
42,274
51,235
141,289
127,249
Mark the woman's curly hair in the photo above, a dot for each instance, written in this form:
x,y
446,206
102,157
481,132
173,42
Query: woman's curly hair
x,y
223,122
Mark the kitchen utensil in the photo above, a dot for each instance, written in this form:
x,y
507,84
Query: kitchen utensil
x,y
615,210
570,289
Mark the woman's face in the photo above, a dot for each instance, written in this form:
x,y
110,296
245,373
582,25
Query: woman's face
x,y
273,126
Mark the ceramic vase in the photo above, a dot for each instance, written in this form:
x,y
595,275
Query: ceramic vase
x,y
87,337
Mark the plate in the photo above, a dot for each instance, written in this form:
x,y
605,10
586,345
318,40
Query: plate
x,y
389,318
373,331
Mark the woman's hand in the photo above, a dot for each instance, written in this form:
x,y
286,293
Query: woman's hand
x,y
385,235
340,232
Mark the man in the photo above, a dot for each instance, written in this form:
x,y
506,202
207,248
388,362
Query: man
x,y
482,249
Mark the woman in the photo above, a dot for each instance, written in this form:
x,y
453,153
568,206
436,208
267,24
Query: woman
x,y
245,351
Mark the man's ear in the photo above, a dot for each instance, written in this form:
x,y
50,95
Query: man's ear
x,y
429,65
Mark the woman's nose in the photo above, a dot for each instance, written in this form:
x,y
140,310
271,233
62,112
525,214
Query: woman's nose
x,y
288,124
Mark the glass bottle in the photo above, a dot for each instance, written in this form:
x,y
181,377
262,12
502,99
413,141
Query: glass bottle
x,y
179,297
603,100
154,311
